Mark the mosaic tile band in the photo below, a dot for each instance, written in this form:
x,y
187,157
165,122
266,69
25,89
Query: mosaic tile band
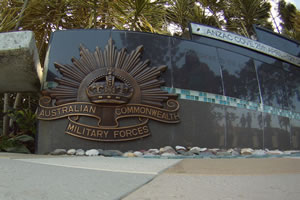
x,y
222,100
230,101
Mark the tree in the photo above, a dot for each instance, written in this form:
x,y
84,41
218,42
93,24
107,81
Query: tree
x,y
290,17
181,12
139,15
9,15
296,22
287,13
215,9
240,15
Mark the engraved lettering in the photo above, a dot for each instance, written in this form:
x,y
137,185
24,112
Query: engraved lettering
x,y
92,109
146,129
88,131
64,109
128,133
42,113
53,113
70,127
86,109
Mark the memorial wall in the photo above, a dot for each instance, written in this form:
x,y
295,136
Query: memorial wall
x,y
124,90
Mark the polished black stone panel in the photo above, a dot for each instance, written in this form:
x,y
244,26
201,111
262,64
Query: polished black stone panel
x,y
204,65
277,132
292,84
119,39
156,49
244,128
277,41
295,130
234,48
195,67
273,84
202,124
65,44
239,76
228,46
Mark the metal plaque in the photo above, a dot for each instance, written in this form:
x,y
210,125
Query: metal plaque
x,y
109,95
244,42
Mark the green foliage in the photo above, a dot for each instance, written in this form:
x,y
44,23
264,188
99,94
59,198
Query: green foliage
x,y
9,14
287,12
25,121
16,144
138,15
21,139
240,15
45,16
290,17
180,12
296,20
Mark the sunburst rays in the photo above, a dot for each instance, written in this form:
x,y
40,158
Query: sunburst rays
x,y
146,77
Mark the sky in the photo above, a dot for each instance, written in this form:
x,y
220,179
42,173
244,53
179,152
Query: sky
x,y
295,2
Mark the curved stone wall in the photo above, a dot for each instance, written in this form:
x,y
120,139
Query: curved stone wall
x,y
230,96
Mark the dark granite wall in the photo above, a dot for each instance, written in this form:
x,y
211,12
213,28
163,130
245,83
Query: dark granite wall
x,y
202,64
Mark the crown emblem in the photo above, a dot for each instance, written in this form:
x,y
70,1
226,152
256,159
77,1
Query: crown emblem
x,y
109,89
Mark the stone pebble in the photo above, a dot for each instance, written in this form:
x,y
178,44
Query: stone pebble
x,y
80,152
92,152
178,151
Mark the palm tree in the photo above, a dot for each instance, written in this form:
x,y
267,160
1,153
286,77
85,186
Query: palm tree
x,y
287,13
179,12
87,14
139,15
290,17
9,15
240,15
215,9
296,22
43,17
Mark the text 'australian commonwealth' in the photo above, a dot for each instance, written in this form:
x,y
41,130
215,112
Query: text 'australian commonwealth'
x,y
149,112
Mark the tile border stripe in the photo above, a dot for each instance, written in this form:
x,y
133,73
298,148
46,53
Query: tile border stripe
x,y
230,101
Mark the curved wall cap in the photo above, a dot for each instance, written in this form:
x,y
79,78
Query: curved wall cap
x,y
239,40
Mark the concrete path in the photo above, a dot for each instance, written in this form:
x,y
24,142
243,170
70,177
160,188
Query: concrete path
x,y
74,178
106,164
224,179
35,177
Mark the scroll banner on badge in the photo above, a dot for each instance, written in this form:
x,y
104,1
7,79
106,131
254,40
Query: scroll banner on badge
x,y
92,110
106,134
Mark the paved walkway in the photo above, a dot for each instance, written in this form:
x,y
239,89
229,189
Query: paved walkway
x,y
35,177
224,179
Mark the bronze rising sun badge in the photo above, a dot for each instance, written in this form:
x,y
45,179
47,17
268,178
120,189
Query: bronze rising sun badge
x,y
109,95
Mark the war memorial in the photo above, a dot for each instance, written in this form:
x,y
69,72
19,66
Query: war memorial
x,y
113,89
125,90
